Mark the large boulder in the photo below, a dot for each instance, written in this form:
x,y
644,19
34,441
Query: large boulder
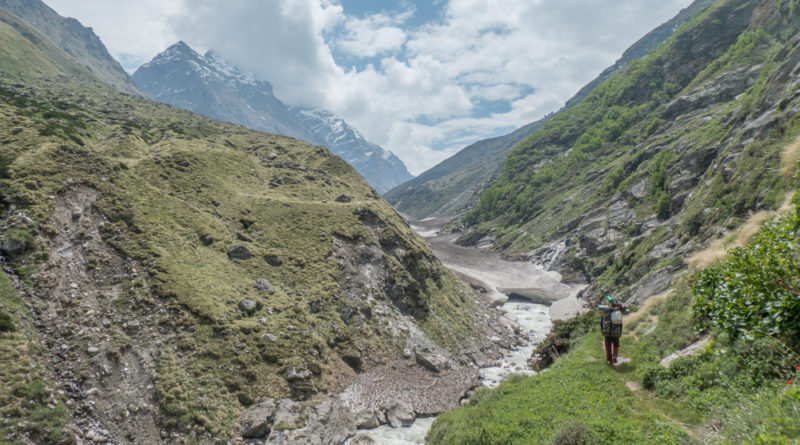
x,y
10,246
432,360
257,421
400,414
264,286
325,422
248,306
240,252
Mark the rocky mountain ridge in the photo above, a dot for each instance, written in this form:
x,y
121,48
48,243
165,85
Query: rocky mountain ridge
x,y
454,186
208,85
677,150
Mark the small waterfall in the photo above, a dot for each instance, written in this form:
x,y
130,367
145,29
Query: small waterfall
x,y
559,248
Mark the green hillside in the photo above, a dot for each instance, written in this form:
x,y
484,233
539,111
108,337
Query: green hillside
x,y
174,270
680,148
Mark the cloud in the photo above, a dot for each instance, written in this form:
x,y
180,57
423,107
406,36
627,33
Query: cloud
x,y
471,70
133,31
373,35
281,41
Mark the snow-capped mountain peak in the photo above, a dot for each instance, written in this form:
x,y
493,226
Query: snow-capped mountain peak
x,y
209,85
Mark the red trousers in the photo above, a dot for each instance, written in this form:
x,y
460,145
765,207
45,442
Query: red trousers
x,y
611,355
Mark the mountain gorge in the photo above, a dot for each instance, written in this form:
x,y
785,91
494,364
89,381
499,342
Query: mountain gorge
x,y
169,275
164,272
208,85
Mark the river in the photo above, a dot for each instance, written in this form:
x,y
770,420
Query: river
x,y
500,278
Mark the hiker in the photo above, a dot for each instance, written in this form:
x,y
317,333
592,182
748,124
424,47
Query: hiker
x,y
611,327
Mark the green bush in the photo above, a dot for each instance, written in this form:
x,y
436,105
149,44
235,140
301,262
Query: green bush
x,y
755,292
560,338
574,433
6,325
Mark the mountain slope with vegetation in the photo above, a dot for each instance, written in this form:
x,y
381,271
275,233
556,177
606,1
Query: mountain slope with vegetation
x,y
660,159
164,271
75,39
454,186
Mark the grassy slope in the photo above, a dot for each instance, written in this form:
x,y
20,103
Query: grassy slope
x,y
168,177
26,401
579,389
734,391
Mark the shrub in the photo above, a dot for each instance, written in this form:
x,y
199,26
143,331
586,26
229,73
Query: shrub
x,y
574,433
755,292
6,325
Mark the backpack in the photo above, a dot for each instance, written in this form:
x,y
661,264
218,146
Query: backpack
x,y
608,327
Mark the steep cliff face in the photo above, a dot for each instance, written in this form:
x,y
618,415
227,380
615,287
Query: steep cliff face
x,y
674,151
75,39
454,186
208,85
163,271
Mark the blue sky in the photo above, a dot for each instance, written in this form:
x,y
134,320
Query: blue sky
x,y
422,79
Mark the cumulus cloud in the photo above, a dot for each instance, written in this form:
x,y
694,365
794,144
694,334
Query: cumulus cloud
x,y
477,69
373,35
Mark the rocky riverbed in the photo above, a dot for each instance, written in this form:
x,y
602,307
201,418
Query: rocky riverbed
x,y
523,292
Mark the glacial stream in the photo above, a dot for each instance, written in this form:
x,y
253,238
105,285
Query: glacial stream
x,y
497,276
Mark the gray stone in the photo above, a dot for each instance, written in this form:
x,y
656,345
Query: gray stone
x,y
400,414
240,252
269,338
300,382
248,306
344,198
640,189
16,130
11,246
434,361
92,350
367,420
264,286
132,325
206,239
324,422
272,156
692,349
258,420
363,439
273,260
